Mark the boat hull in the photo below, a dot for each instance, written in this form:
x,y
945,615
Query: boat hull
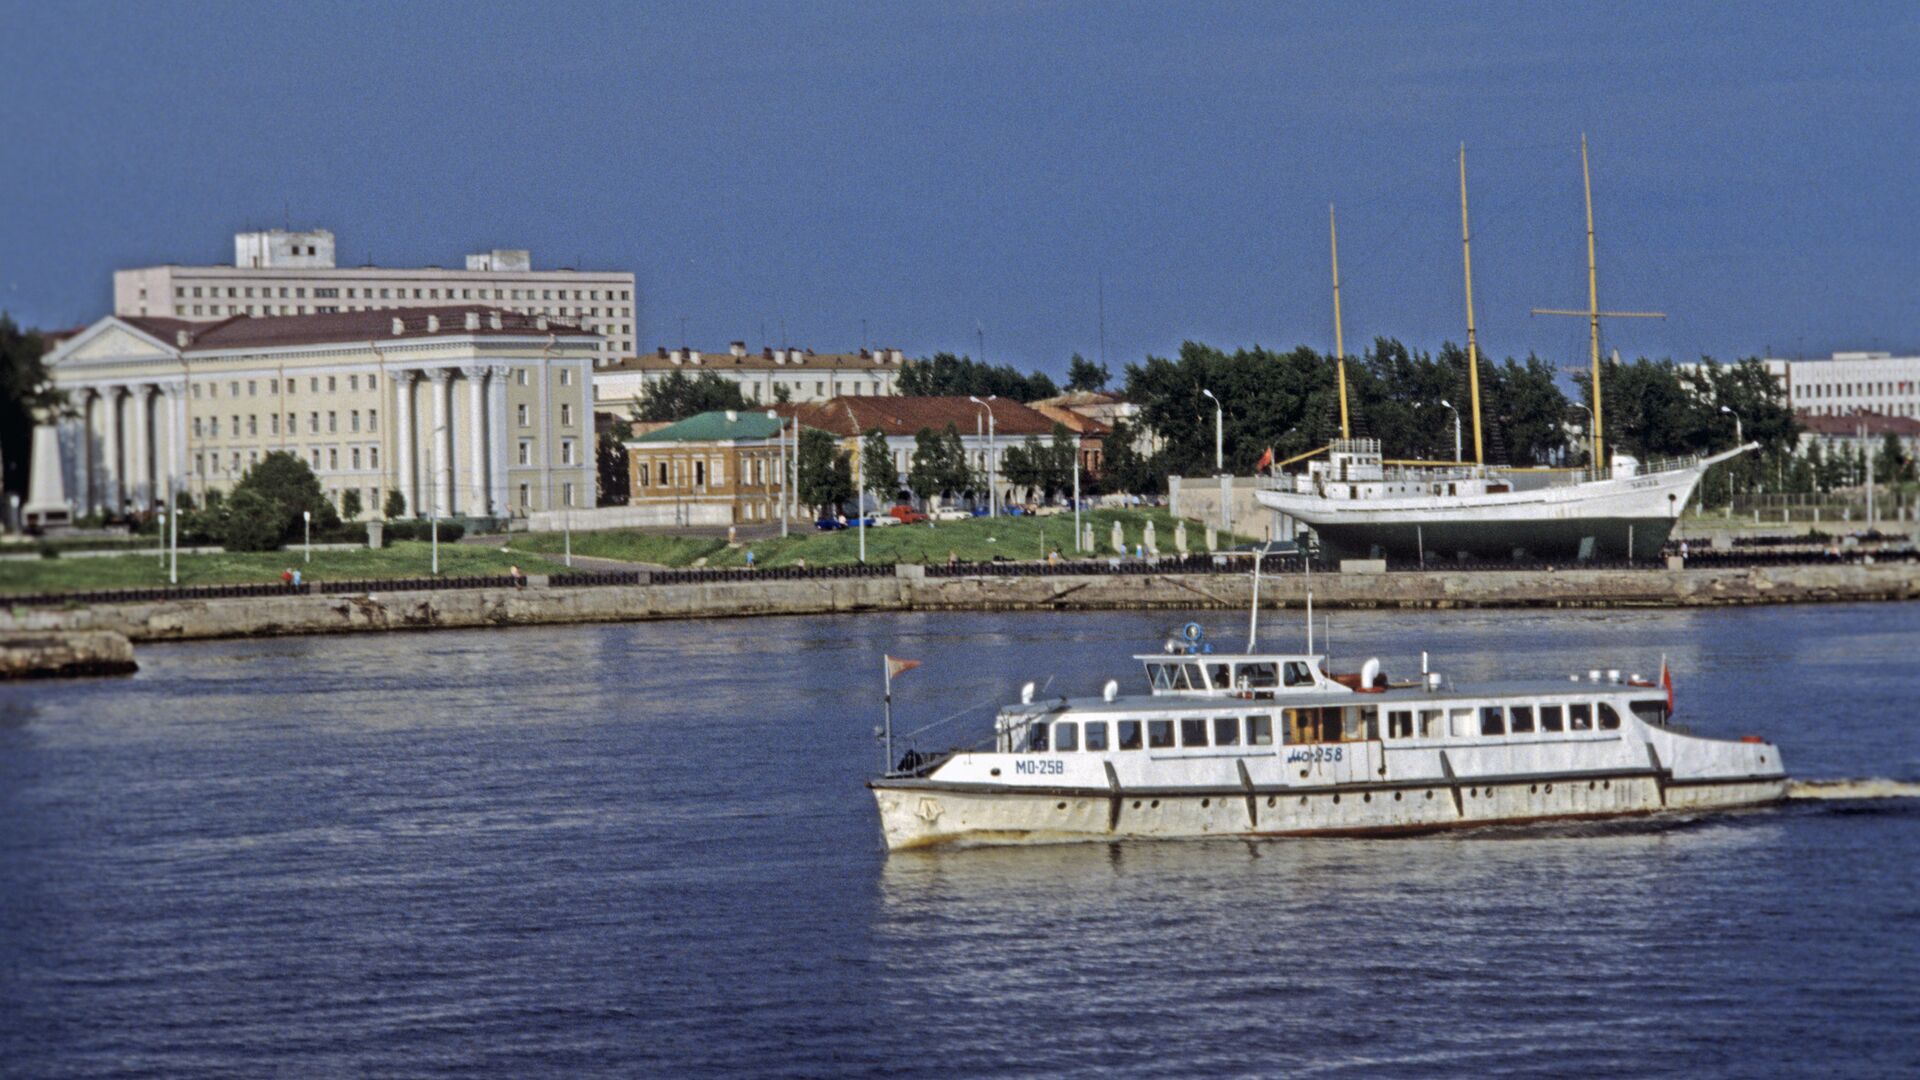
x,y
917,814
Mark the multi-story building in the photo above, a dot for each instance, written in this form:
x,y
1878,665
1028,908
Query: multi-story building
x,y
901,419
769,376
293,273
716,468
1861,432
1851,382
465,411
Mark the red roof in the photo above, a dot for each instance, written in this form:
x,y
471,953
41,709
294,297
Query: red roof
x,y
1876,424
849,416
242,331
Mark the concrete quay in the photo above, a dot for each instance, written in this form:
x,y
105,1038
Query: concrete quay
x,y
34,654
911,590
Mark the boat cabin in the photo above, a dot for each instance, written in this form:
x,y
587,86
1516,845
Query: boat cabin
x,y
1258,677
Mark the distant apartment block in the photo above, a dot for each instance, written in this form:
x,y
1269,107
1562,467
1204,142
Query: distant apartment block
x,y
279,272
804,375
1851,382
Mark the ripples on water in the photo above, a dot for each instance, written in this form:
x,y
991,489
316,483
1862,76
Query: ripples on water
x,y
644,849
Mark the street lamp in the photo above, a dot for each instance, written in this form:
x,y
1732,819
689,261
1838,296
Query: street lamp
x,y
306,528
993,482
1219,436
1739,437
433,491
1448,405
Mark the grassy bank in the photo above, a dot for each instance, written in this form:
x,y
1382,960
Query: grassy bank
x,y
974,540
404,559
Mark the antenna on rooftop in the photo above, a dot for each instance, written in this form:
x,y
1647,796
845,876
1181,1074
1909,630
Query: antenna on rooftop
x,y
683,331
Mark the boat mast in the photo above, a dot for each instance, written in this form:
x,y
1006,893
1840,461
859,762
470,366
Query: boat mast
x,y
1339,343
1473,346
1593,313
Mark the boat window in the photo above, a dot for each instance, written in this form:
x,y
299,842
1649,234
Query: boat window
x,y
1188,678
1651,710
1399,723
1550,718
1066,736
1161,675
1226,731
1370,721
1580,717
1129,734
1217,678
1036,738
1520,719
1193,731
1462,723
1260,676
1259,731
1159,734
1491,722
1299,674
1430,725
1609,720
1097,735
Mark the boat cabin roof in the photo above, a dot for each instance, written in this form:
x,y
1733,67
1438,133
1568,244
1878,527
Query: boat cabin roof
x,y
1521,692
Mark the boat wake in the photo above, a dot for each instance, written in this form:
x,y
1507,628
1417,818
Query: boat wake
x,y
1867,788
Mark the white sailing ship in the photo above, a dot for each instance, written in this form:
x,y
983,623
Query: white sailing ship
x,y
1271,744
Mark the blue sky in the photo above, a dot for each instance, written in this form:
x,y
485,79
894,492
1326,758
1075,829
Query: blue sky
x,y
937,168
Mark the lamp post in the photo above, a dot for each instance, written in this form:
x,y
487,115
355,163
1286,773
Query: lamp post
x,y
1448,405
1219,433
993,482
173,529
433,491
306,529
1739,439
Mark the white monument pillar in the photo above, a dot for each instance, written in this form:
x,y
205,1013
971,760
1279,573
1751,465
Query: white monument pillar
x,y
403,437
442,438
477,437
46,488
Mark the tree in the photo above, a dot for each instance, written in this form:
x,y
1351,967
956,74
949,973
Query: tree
x,y
1023,465
1084,374
25,388
877,473
350,504
927,472
610,455
1892,465
269,501
396,504
678,395
947,375
826,472
1126,471
955,475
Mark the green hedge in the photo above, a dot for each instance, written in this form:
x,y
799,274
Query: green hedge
x,y
450,531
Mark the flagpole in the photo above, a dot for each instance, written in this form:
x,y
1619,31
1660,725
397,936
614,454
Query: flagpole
x,y
886,663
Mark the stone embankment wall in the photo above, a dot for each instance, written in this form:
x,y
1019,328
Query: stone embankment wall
x,y
175,620
29,654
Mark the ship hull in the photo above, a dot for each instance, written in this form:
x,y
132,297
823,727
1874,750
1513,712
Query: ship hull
x,y
919,815
1628,517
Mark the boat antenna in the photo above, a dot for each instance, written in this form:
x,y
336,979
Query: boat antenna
x,y
1339,342
1253,615
1473,345
1593,313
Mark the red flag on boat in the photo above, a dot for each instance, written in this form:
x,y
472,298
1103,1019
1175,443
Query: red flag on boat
x,y
1266,459
895,666
1666,683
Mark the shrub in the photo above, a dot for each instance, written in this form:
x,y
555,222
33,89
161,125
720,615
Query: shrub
x,y
450,531
253,522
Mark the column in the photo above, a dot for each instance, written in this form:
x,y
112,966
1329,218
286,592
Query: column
x,y
477,437
402,379
176,392
501,441
110,498
84,480
140,461
441,439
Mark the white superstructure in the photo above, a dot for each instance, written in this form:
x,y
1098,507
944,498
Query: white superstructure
x,y
1271,745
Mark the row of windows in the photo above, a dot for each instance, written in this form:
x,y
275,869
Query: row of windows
x,y
756,471
1871,389
209,463
399,292
212,386
211,426
1307,726
1194,731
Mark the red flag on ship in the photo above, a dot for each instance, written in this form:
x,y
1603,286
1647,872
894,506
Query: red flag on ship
x,y
1666,683
896,666
1266,459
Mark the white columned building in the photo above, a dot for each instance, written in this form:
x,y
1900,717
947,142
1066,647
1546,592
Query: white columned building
x,y
338,392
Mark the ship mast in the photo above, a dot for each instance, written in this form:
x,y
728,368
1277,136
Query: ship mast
x,y
1339,343
1593,313
1473,346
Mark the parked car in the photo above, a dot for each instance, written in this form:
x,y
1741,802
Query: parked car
x,y
952,513
879,521
906,515
829,524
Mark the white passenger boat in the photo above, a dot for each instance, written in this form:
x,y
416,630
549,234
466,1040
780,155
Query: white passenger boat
x,y
1270,744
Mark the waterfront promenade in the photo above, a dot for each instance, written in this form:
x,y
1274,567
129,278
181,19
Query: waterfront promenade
x,y
683,594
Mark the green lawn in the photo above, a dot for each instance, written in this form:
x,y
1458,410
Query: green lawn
x,y
974,540
403,559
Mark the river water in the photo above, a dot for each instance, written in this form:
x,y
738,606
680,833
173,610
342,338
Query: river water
x,y
645,850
